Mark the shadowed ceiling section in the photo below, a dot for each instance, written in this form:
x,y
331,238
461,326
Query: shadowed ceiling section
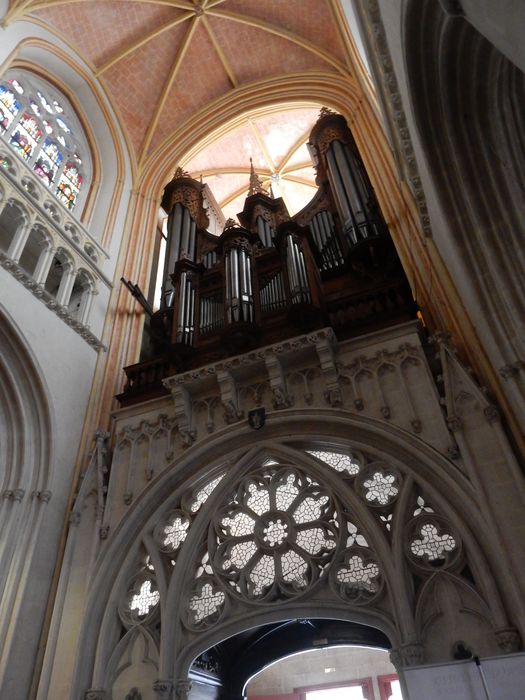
x,y
163,61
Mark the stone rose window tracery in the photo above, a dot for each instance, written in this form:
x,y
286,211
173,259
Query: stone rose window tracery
x,y
145,600
343,463
277,535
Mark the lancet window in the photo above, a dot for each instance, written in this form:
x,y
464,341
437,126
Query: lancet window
x,y
40,125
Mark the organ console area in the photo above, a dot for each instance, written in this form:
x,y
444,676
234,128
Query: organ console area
x,y
272,276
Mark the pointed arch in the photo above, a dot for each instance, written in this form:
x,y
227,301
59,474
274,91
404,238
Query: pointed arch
x,y
413,469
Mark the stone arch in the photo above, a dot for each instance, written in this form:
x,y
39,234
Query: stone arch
x,y
472,135
26,426
447,502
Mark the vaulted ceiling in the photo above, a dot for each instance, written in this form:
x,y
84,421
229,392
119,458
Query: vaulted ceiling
x,y
163,61
274,140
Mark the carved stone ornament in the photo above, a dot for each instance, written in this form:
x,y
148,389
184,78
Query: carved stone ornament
x,y
182,689
509,640
407,655
163,689
386,73
95,694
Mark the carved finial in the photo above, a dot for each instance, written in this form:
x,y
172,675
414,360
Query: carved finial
x,y
325,111
179,172
256,186
230,223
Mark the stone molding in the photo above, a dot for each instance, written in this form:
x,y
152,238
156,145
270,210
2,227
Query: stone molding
x,y
40,293
387,76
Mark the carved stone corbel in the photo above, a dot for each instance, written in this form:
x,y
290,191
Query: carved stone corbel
x,y
183,412
324,344
229,397
281,399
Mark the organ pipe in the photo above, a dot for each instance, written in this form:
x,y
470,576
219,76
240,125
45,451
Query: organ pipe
x,y
299,288
352,192
180,245
186,310
265,232
239,294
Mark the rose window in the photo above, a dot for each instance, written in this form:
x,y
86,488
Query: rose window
x,y
277,536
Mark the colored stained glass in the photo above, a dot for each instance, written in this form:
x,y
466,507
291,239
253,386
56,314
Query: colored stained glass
x,y
73,175
48,162
22,142
35,108
16,85
29,122
44,169
31,126
5,119
45,103
62,124
9,100
65,193
52,152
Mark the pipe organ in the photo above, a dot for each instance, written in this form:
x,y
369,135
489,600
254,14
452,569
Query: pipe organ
x,y
272,276
238,279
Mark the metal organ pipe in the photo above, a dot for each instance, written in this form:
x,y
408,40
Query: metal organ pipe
x,y
181,243
186,315
344,163
338,188
299,288
239,295
265,232
323,231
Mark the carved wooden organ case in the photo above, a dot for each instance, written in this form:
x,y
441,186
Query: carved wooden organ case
x,y
274,275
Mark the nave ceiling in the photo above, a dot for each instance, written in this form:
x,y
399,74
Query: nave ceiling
x,y
162,62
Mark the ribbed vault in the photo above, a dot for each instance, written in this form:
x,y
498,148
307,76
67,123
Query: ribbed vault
x,y
164,60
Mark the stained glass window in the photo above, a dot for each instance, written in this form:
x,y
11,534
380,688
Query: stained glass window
x,y
41,128
9,107
48,161
69,186
14,83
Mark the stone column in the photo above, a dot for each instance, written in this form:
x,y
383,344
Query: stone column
x,y
66,285
43,265
19,241
85,305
